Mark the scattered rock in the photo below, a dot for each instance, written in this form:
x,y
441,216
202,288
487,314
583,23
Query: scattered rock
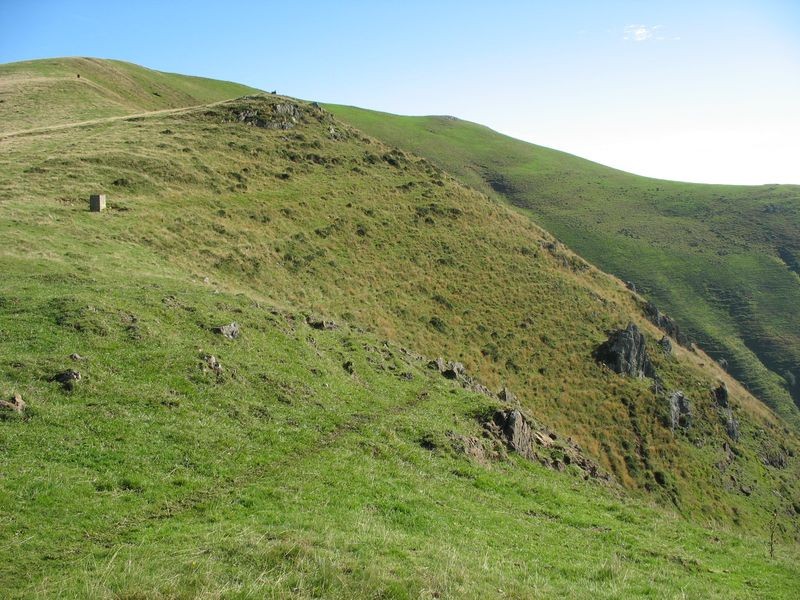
x,y
76,357
745,490
212,363
229,331
668,324
665,344
16,403
321,323
67,378
680,411
625,352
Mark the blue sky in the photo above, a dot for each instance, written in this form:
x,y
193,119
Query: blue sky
x,y
698,91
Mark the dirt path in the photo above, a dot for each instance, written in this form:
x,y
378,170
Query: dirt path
x,y
49,128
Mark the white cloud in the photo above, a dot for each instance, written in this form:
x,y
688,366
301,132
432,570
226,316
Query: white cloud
x,y
640,33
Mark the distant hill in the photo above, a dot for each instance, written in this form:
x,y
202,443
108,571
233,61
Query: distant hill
x,y
290,360
41,93
722,260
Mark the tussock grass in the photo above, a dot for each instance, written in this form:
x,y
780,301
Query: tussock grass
x,y
285,475
720,259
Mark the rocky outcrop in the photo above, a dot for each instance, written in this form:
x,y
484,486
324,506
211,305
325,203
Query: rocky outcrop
x,y
666,323
625,352
268,116
680,411
665,344
525,437
451,370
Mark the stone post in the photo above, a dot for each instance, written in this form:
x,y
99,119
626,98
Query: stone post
x,y
97,202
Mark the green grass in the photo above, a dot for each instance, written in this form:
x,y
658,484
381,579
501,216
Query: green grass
x,y
720,259
287,476
41,93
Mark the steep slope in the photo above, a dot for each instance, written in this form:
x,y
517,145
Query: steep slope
x,y
334,462
40,93
722,260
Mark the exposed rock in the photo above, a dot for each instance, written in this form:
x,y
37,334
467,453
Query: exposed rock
x,y
775,458
277,116
349,367
721,395
680,411
723,362
321,323
630,285
479,388
515,431
454,370
229,331
439,364
625,352
76,357
472,447
525,437
451,370
16,403
668,324
731,424
67,378
507,396
665,344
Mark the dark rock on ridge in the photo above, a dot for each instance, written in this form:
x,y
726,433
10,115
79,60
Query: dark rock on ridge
x,y
668,324
625,352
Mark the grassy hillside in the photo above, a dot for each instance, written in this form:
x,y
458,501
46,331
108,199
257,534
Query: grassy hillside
x,y
40,93
723,260
332,463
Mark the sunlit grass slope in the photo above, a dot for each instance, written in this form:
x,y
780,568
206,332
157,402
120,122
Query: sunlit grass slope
x,y
723,260
41,93
319,463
